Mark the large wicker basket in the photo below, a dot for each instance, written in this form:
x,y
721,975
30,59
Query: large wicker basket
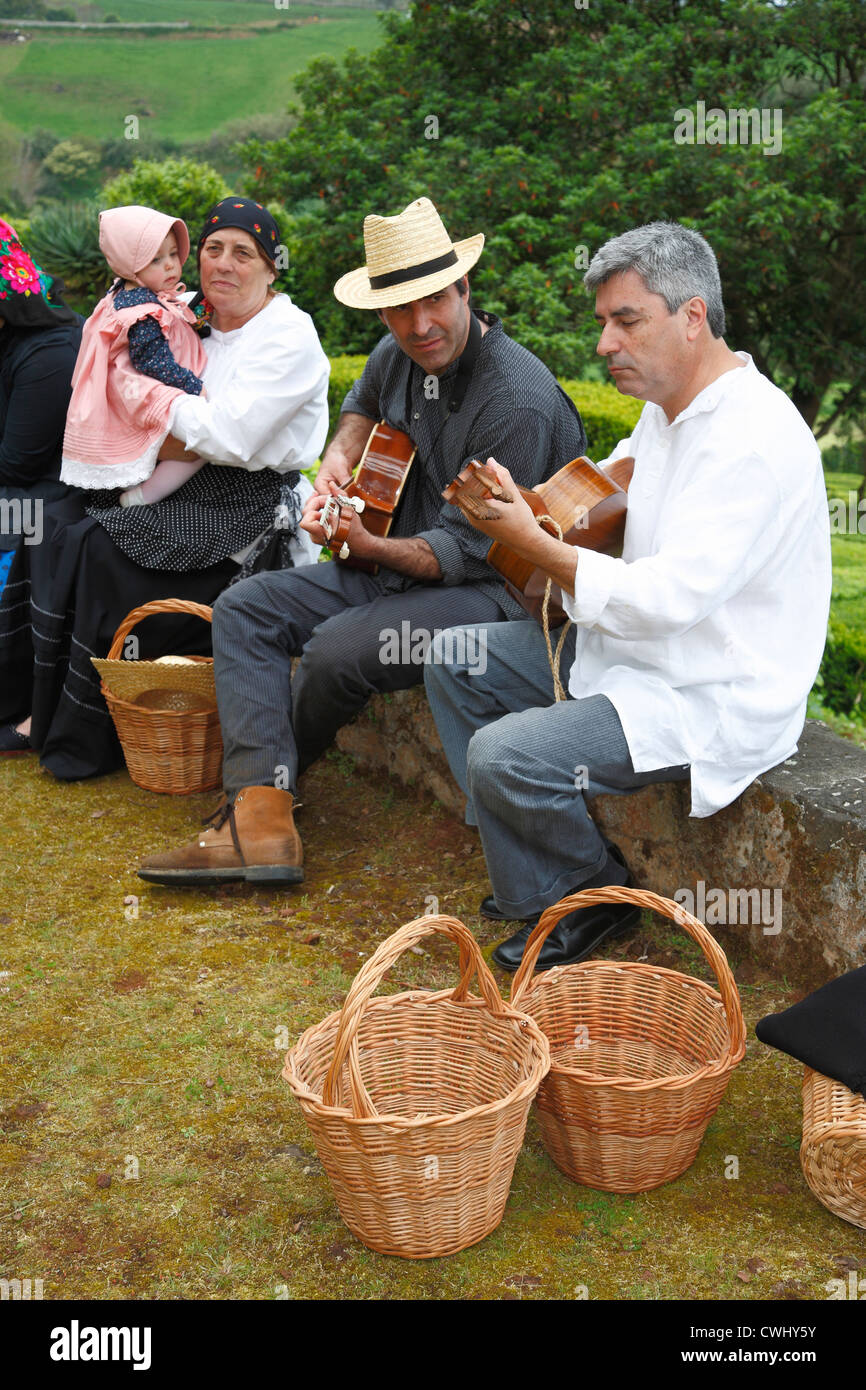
x,y
174,751
833,1151
640,1056
418,1101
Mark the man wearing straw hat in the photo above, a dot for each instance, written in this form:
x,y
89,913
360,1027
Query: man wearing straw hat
x,y
449,377
692,656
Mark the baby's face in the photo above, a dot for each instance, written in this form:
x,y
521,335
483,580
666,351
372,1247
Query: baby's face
x,y
163,272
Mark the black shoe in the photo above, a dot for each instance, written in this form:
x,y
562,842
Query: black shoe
x,y
13,742
582,931
572,939
493,913
616,872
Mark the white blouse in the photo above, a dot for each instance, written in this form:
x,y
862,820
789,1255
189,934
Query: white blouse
x,y
267,394
708,633
267,400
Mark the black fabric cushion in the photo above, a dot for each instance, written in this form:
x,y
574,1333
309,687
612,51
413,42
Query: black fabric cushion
x,y
826,1030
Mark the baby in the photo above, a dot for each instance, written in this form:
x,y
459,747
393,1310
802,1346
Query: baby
x,y
139,351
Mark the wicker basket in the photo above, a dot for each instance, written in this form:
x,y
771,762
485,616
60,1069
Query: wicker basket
x,y
640,1056
174,751
833,1151
418,1101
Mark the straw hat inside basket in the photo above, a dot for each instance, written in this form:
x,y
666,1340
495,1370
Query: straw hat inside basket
x,y
408,256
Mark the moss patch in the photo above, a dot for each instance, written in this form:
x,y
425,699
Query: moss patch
x,y
151,1150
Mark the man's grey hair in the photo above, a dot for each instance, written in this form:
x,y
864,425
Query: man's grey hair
x,y
672,261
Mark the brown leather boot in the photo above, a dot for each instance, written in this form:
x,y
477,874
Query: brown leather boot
x,y
253,838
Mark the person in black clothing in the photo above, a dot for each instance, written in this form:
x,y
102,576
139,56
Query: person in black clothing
x,y
450,378
36,366
39,340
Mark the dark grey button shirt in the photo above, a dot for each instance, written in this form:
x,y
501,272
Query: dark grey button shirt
x,y
514,411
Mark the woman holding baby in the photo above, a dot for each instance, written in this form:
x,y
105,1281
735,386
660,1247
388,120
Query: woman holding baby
x,y
188,427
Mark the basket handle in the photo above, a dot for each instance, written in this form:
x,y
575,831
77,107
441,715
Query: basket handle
x,y
522,983
159,605
370,975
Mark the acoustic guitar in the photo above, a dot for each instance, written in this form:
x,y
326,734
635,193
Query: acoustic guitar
x,y
587,503
373,493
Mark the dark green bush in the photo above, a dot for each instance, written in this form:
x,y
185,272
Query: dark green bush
x,y
841,681
344,372
64,239
846,457
607,416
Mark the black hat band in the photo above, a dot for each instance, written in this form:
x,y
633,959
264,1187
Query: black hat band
x,y
413,272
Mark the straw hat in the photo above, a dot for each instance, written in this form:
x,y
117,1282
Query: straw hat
x,y
408,256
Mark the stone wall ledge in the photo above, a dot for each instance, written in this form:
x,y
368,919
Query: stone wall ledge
x,y
795,840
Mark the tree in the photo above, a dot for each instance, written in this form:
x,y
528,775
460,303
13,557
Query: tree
x,y
179,186
555,129
70,164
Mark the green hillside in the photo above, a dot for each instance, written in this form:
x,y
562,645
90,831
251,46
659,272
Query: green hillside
x,y
84,85
210,13
184,86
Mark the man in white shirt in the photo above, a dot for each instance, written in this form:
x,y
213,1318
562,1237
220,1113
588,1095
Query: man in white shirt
x,y
692,655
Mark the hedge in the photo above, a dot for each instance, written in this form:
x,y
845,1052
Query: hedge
x,y
841,682
607,416
344,372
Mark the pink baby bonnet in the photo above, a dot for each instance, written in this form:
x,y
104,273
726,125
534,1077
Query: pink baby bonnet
x,y
130,237
118,417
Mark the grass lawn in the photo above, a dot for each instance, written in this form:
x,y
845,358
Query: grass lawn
x,y
151,1150
849,554
848,597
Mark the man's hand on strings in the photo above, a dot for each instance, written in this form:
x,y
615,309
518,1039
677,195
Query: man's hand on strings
x,y
311,517
359,540
513,522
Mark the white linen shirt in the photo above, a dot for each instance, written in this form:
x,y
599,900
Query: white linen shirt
x,y
708,633
267,401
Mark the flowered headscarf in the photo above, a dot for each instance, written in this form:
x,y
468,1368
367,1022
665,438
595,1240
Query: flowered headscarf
x,y
28,297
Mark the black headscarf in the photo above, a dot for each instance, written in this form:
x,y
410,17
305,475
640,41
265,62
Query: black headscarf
x,y
28,297
251,217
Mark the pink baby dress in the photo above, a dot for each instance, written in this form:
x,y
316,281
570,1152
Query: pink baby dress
x,y
118,417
